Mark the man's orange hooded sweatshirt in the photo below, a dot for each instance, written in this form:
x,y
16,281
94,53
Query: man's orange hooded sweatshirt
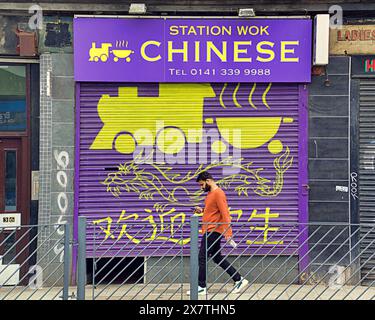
x,y
216,213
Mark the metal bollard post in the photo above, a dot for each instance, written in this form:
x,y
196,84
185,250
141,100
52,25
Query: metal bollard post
x,y
66,261
81,272
194,267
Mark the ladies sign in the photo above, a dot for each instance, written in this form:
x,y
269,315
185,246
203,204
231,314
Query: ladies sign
x,y
192,50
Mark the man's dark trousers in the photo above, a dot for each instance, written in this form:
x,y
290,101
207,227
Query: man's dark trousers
x,y
212,240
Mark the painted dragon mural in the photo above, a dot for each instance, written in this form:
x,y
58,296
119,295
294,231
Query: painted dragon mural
x,y
134,176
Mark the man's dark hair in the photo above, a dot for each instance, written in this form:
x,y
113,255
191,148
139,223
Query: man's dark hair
x,y
204,176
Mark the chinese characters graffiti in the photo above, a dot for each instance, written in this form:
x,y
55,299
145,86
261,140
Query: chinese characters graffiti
x,y
168,226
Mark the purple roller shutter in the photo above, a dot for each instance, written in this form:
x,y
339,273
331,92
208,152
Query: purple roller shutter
x,y
260,171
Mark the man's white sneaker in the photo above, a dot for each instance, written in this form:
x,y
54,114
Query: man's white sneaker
x,y
240,285
201,291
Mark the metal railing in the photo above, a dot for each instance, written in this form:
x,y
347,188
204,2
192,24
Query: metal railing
x,y
308,261
122,270
35,262
319,261
329,261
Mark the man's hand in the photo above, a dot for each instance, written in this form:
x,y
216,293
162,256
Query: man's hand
x,y
198,210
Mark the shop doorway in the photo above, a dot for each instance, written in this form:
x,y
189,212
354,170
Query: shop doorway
x,y
13,179
14,173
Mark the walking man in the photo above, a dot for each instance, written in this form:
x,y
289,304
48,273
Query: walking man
x,y
216,224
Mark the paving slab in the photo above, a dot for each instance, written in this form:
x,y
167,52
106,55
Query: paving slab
x,y
178,292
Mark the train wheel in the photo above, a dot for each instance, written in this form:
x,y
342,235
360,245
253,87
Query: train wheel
x,y
104,57
125,143
96,59
115,59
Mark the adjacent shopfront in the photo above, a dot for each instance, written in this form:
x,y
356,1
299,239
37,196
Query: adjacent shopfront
x,y
363,83
160,100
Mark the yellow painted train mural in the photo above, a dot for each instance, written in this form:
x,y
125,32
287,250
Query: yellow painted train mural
x,y
174,118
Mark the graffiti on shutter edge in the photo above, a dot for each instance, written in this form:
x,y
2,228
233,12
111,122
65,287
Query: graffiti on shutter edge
x,y
354,185
62,160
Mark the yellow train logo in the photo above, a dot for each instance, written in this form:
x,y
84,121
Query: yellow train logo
x,y
103,52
